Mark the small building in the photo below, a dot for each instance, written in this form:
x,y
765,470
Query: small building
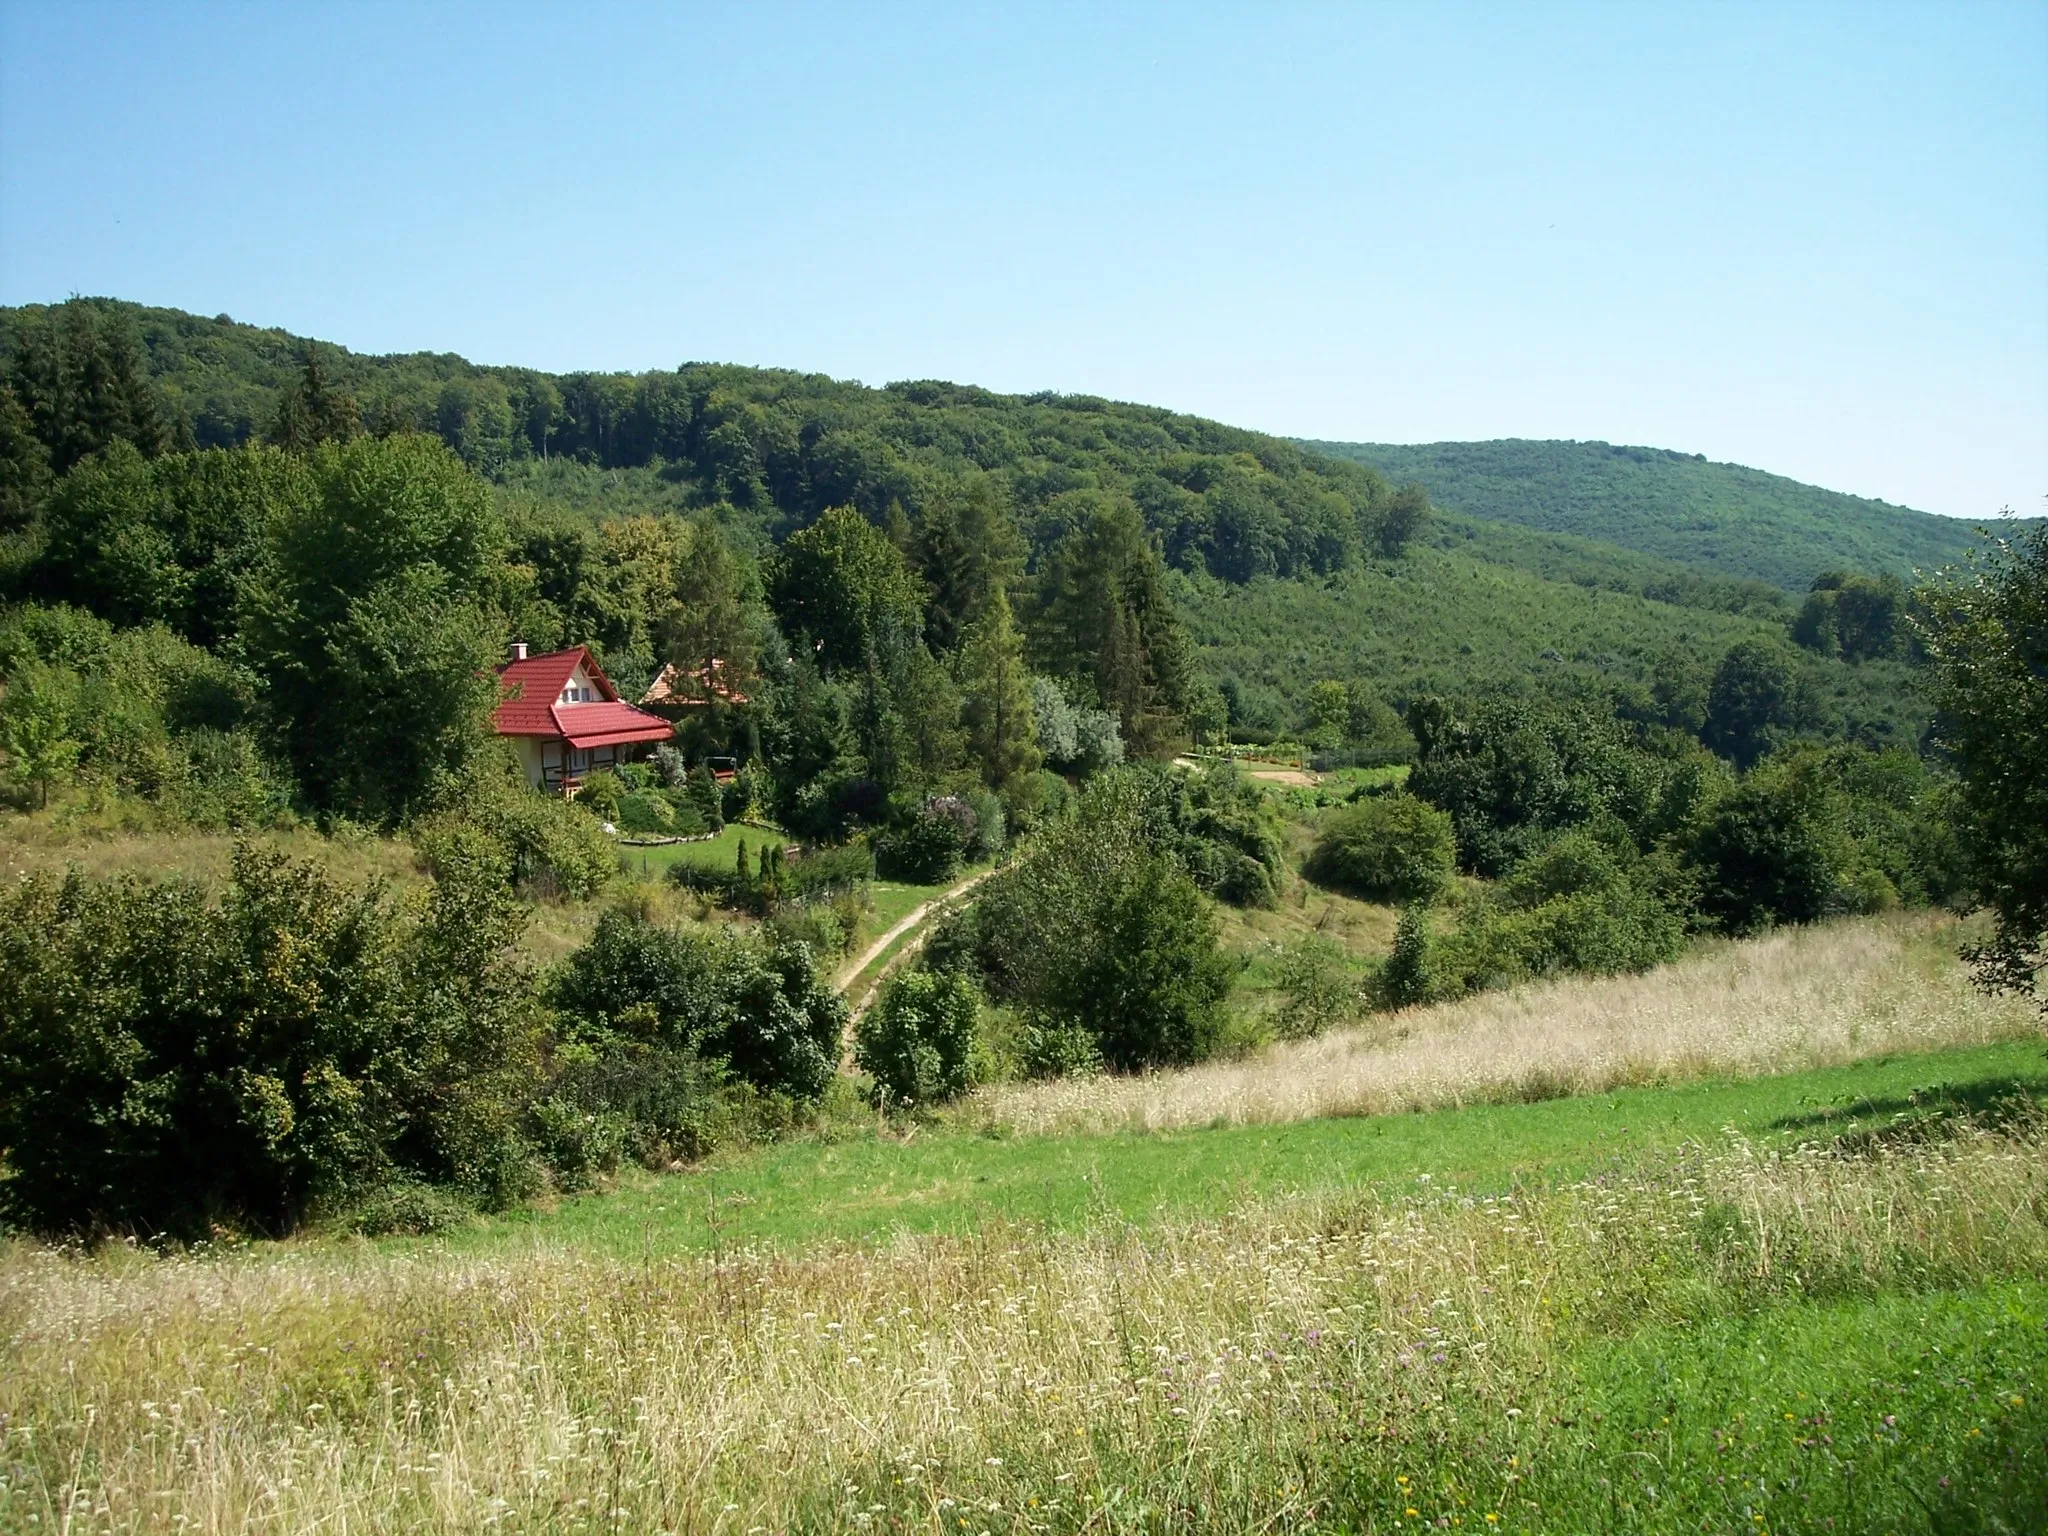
x,y
676,692
567,720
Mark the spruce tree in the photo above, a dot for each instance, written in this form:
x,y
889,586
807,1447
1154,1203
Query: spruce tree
x,y
314,412
24,465
1002,730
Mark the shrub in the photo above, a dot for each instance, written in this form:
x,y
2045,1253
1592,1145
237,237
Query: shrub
x,y
664,1103
601,795
822,871
579,1142
760,1009
817,926
990,831
1314,990
1038,799
928,848
918,1040
167,1063
1775,850
707,797
1407,977
647,813
1386,848
546,846
1100,930
407,1208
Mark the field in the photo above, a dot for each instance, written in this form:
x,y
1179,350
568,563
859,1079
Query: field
x,y
1796,1284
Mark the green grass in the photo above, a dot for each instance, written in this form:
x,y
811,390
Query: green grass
x,y
890,901
893,901
1873,1413
959,1182
719,852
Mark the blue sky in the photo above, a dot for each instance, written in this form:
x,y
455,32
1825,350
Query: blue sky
x,y
1809,238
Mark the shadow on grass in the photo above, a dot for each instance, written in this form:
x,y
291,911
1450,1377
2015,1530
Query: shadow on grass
x,y
1939,1112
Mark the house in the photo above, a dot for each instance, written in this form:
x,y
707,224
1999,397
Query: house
x,y
671,694
566,719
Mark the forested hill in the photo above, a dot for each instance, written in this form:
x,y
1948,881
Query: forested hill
x,y
1720,517
1290,566
772,449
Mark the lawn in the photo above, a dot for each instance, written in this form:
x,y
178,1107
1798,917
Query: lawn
x,y
957,1181
720,852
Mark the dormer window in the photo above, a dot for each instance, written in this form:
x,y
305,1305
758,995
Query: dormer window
x,y
575,695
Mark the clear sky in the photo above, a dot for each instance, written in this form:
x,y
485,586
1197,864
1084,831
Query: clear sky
x,y
1809,238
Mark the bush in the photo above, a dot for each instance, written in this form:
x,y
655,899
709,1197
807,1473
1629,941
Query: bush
x,y
818,927
1102,931
823,871
407,1208
918,1040
707,797
663,1102
1578,906
990,831
1314,989
546,846
652,814
1386,848
167,1064
760,1009
601,795
1775,850
928,848
1038,799
1407,977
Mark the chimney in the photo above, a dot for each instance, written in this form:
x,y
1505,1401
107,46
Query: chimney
x,y
519,650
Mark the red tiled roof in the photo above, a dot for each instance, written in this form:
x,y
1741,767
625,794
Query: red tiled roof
x,y
608,724
531,688
535,684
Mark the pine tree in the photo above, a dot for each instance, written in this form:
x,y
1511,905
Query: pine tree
x,y
967,549
314,412
24,465
1105,618
84,384
1002,733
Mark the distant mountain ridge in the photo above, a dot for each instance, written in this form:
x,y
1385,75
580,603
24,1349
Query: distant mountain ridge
x,y
1726,518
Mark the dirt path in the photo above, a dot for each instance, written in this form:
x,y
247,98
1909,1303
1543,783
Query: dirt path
x,y
851,972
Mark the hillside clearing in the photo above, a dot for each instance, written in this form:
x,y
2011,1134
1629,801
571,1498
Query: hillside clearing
x,y
1797,998
880,1188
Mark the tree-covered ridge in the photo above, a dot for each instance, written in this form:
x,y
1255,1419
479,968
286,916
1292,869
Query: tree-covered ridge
x,y
1726,518
780,447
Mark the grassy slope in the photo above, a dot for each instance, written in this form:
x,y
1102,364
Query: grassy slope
x,y
1722,517
960,1183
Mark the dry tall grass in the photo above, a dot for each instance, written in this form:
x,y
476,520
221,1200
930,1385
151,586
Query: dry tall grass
x,y
107,849
1023,1381
1797,998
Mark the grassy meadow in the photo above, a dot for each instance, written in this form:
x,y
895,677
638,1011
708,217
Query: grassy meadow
x,y
1790,1275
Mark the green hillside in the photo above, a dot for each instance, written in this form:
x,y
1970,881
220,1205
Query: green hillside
x,y
1462,612
1291,564
1721,517
772,448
